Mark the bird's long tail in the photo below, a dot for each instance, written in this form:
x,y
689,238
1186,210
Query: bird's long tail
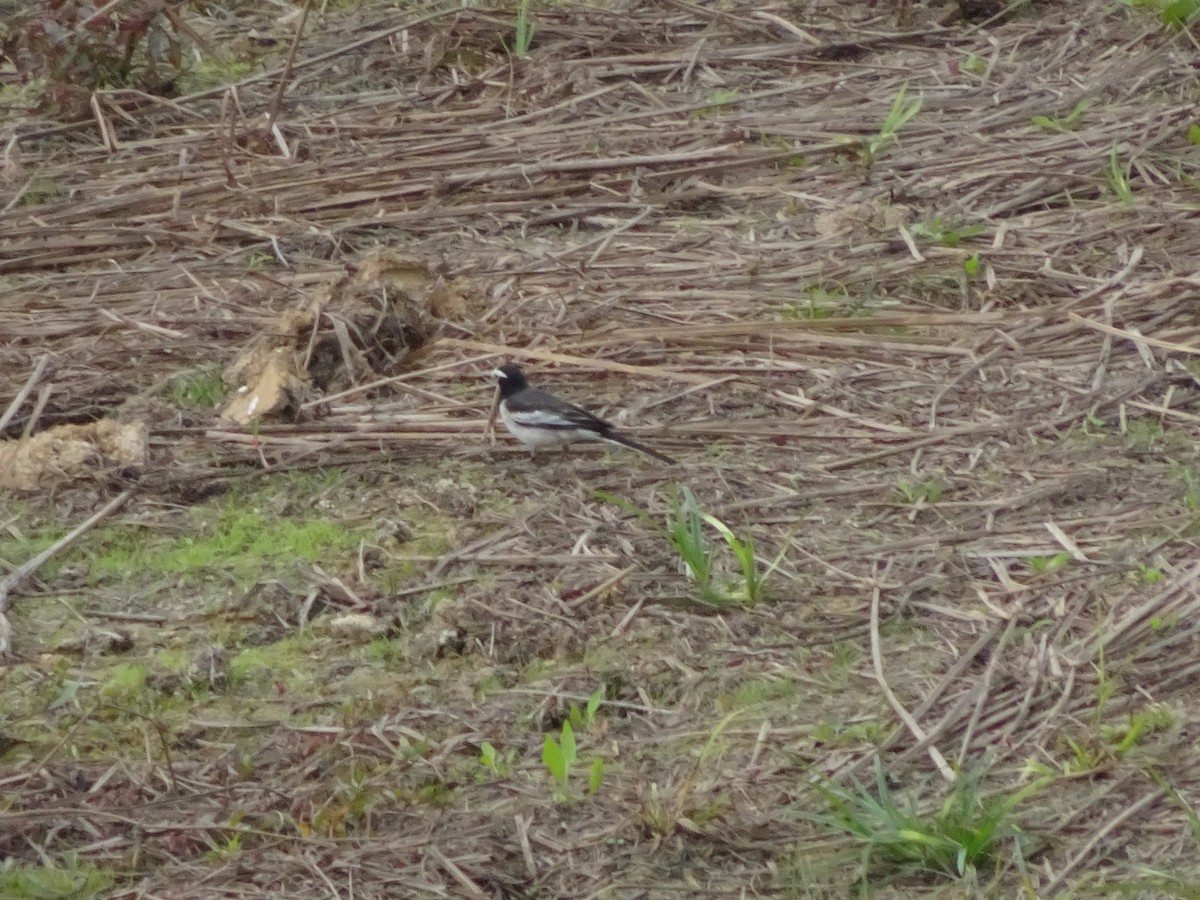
x,y
615,438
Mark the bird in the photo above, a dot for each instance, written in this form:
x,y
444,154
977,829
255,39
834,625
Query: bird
x,y
538,419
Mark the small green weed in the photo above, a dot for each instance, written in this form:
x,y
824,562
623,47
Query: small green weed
x,y
792,158
281,661
1117,175
940,232
498,762
68,878
841,734
664,815
41,190
655,813
523,30
757,692
793,312
1143,434
1075,759
963,835
434,793
1147,574
125,681
1069,122
717,99
244,765
17,543
68,693
1122,738
1040,565
1093,424
685,534
582,718
260,259
897,117
1106,688
230,849
559,757
201,388
1178,800
595,775
819,303
919,492
1190,480
844,657
753,581
1175,14
973,65
207,72
1104,745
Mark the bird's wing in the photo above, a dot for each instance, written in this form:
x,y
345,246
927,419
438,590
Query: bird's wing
x,y
537,409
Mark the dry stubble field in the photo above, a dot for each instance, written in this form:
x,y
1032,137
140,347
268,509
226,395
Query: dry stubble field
x,y
913,301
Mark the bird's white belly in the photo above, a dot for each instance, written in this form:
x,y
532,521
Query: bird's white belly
x,y
537,437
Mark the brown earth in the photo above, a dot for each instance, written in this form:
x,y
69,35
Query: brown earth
x,y
943,378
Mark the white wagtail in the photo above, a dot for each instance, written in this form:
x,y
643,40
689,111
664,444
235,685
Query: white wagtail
x,y
538,419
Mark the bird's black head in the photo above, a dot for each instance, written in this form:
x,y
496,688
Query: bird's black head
x,y
510,378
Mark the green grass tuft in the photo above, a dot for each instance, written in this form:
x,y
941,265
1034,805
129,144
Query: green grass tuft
x,y
68,879
1175,14
955,841
241,539
201,388
901,111
685,532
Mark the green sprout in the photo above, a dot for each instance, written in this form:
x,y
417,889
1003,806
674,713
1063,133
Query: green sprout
x,y
1040,565
916,493
1117,175
1063,123
582,719
559,756
499,763
939,232
897,117
1147,574
201,388
972,65
1175,14
523,30
685,533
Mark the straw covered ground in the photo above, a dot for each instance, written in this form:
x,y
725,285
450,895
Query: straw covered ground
x,y
911,298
